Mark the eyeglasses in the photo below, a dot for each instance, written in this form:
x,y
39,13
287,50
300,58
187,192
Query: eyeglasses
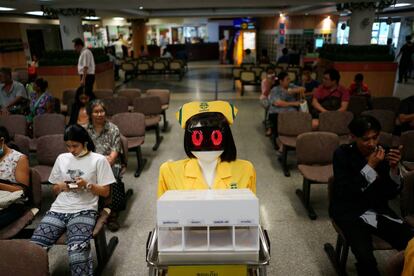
x,y
101,112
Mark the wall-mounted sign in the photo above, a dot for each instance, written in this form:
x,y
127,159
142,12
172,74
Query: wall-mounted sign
x,y
11,45
245,23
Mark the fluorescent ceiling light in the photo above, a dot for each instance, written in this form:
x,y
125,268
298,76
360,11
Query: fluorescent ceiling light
x,y
6,9
119,18
37,13
400,5
91,17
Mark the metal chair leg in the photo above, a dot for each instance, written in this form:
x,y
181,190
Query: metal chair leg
x,y
103,250
140,162
283,161
338,255
304,196
165,126
343,258
158,138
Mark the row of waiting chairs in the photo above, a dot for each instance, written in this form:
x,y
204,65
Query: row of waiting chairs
x,y
317,147
253,75
117,104
147,112
359,104
161,66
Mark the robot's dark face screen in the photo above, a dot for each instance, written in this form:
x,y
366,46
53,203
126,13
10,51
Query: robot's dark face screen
x,y
206,138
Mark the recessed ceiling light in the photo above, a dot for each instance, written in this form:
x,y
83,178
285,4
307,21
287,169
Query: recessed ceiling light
x,y
141,7
119,18
37,13
91,17
6,9
399,5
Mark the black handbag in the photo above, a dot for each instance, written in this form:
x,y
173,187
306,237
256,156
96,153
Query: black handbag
x,y
118,196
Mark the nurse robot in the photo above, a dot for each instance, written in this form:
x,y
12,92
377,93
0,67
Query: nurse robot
x,y
212,156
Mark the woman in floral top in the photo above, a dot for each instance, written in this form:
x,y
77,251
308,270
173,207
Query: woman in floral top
x,y
14,175
40,100
107,139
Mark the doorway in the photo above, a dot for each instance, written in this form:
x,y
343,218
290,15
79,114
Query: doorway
x,y
36,42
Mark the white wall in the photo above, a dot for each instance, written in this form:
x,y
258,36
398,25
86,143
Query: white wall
x,y
213,32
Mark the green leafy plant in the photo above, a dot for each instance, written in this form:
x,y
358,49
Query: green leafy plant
x,y
336,52
70,57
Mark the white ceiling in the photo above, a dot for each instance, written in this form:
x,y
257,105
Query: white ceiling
x,y
182,8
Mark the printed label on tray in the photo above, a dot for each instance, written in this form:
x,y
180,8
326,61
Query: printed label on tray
x,y
221,221
246,221
170,222
196,222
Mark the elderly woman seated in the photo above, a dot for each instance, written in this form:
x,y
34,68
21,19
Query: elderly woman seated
x,y
107,139
14,176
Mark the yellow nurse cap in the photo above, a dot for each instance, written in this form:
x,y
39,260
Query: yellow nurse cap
x,y
188,110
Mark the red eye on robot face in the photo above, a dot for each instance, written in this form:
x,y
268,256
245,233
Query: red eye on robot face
x,y
197,138
216,137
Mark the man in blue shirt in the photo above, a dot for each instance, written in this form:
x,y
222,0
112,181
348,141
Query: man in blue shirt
x,y
12,92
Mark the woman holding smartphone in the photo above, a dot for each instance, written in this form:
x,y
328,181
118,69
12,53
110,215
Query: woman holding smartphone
x,y
79,178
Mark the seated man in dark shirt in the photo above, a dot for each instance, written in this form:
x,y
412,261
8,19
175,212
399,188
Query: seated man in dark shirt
x,y
366,176
406,112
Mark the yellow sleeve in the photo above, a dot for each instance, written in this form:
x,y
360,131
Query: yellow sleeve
x,y
409,259
162,186
252,184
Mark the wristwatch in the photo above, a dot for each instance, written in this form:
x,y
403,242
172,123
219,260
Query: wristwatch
x,y
89,186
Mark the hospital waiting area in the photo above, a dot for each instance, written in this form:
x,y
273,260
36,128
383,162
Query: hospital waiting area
x,y
195,138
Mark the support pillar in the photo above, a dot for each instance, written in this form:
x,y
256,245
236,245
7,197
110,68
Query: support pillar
x,y
70,28
360,29
139,36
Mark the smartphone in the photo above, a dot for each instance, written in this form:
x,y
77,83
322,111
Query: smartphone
x,y
387,149
72,184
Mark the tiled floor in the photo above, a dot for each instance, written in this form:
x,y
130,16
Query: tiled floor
x,y
297,242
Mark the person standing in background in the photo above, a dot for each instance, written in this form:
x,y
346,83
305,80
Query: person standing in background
x,y
86,65
223,49
406,63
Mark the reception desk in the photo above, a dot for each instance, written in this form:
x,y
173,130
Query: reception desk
x,y
194,52
64,77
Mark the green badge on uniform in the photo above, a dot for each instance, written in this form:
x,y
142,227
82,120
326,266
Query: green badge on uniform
x,y
233,186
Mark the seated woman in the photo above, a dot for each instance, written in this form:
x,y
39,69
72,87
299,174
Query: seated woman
x,y
79,178
267,84
78,114
14,176
107,139
40,100
282,98
212,157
